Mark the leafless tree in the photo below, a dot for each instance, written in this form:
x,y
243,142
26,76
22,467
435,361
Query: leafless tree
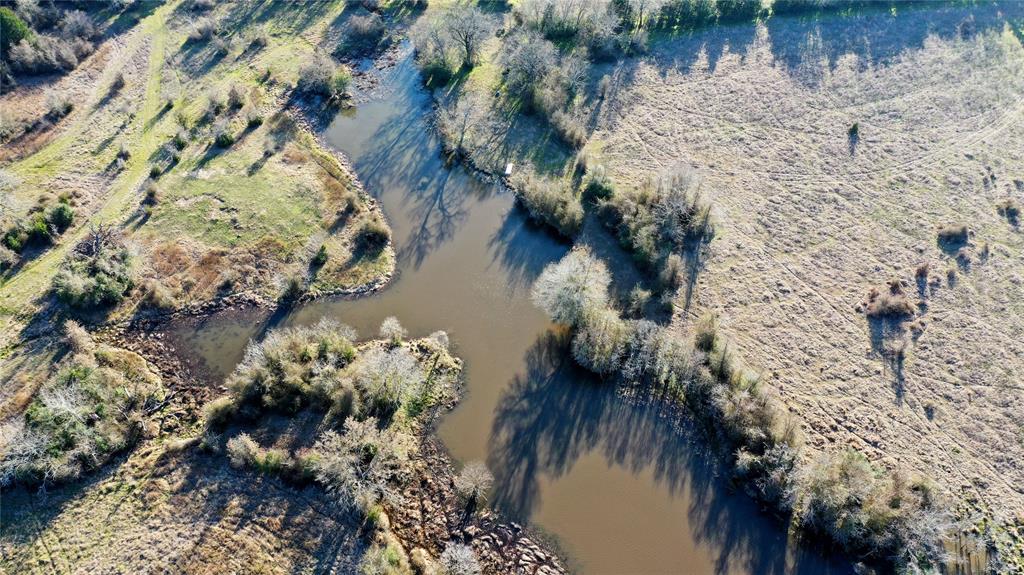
x,y
600,341
474,481
468,26
363,464
459,559
458,119
392,330
576,284
388,377
528,58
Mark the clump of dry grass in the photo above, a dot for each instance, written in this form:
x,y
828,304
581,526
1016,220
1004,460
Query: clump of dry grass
x,y
892,302
1009,209
953,234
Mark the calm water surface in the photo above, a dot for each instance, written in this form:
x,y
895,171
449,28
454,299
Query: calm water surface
x,y
620,487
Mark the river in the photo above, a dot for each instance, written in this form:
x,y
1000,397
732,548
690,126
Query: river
x,y
619,484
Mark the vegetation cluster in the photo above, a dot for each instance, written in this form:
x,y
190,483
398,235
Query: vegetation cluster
x,y
370,400
90,409
863,510
369,397
43,37
98,272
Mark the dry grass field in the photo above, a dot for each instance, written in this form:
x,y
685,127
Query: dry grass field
x,y
810,217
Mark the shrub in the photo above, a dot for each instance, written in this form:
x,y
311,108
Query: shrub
x,y
8,258
60,217
662,217
706,334
180,140
572,287
253,120
388,378
294,289
1009,209
459,559
78,339
224,139
863,511
321,76
892,302
77,24
202,29
156,295
474,481
392,331
12,30
770,476
97,272
569,128
549,202
58,105
219,412
597,184
363,463
638,300
672,273
600,341
82,415
242,450
152,195
365,31
373,234
236,97
953,235
321,257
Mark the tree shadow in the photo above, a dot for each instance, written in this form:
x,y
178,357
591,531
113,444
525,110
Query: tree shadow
x,y
553,414
887,335
402,152
810,44
522,247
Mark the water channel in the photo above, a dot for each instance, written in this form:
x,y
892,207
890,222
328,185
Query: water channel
x,y
620,486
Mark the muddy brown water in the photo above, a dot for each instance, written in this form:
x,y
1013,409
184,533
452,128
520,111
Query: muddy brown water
x,y
618,484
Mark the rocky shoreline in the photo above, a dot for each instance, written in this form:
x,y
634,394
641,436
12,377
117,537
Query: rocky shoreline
x,y
433,513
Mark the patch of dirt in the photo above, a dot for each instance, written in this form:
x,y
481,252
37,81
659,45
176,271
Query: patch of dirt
x,y
809,218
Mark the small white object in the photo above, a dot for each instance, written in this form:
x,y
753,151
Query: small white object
x,y
508,169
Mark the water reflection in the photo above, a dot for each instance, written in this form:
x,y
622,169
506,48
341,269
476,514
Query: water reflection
x,y
619,483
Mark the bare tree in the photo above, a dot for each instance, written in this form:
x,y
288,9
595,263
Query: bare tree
x,y
529,58
363,464
21,449
474,481
457,120
576,284
468,26
388,377
459,559
392,330
600,341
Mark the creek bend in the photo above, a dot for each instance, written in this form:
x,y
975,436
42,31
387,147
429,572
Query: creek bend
x,y
617,482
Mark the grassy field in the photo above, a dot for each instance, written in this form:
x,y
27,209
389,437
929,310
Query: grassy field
x,y
833,148
809,218
241,217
